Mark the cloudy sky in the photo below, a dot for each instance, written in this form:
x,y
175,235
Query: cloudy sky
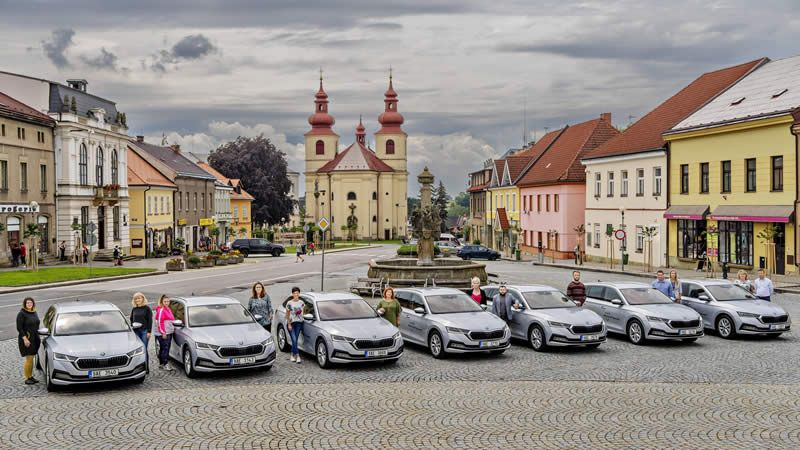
x,y
204,72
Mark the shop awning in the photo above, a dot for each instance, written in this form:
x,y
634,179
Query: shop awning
x,y
753,213
502,218
696,212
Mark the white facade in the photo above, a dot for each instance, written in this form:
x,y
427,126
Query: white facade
x,y
222,209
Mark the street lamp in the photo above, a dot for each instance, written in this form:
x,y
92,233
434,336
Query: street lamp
x,y
624,238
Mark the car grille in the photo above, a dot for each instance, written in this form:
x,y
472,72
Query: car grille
x,y
774,319
241,351
101,363
363,344
482,335
684,323
581,329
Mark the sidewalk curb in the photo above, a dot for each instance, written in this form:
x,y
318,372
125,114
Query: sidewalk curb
x,y
34,287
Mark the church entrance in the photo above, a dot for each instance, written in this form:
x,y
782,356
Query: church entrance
x,y
387,235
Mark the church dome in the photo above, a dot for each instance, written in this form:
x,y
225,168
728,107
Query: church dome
x,y
390,120
321,122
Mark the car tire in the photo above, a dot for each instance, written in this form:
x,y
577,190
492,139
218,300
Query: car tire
x,y
537,339
283,343
725,327
321,352
188,364
244,252
465,258
593,346
276,253
436,345
493,258
635,332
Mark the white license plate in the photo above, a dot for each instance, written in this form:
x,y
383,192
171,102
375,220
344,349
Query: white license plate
x,y
591,337
778,327
103,373
487,344
687,331
240,361
371,353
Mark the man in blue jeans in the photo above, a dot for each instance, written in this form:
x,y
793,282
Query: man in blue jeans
x,y
295,309
662,285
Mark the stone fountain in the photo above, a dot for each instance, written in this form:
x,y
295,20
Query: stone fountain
x,y
426,269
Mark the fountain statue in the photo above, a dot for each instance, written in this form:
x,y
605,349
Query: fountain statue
x,y
425,221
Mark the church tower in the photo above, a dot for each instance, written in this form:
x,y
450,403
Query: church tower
x,y
390,140
322,142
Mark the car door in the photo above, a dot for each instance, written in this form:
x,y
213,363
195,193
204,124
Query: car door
x,y
181,335
310,327
49,320
404,298
615,315
415,320
595,300
519,324
690,296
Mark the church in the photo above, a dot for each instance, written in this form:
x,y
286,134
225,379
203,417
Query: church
x,y
359,190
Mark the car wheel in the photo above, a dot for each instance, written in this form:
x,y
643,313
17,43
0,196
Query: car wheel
x,y
593,346
635,332
322,355
536,338
188,364
725,327
244,252
276,253
47,380
435,345
283,344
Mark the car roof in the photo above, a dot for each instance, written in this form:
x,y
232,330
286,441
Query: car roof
x,y
84,306
530,287
207,300
708,281
323,296
620,284
432,290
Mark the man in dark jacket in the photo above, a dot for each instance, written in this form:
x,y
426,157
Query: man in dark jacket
x,y
503,304
14,254
576,290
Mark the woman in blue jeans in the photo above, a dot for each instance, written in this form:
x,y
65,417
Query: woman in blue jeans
x,y
144,315
294,320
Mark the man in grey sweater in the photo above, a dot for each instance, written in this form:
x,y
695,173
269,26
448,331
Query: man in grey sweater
x,y
503,304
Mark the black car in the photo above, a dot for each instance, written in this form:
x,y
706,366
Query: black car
x,y
477,251
257,246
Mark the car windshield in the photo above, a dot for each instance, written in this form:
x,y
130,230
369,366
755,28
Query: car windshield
x,y
547,300
212,315
729,292
345,309
452,303
644,296
90,322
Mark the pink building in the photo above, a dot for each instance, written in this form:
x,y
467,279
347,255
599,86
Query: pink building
x,y
553,187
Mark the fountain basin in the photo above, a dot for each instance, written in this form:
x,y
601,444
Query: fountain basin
x,y
446,272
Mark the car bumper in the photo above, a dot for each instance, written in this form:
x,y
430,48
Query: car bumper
x,y
755,326
459,343
346,353
65,373
209,361
568,339
665,332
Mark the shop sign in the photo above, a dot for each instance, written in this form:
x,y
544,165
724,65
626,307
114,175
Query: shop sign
x,y
21,208
136,243
181,221
206,222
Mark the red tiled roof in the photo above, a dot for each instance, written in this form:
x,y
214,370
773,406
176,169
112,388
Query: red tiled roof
x,y
537,150
14,106
645,134
141,173
361,159
561,162
501,216
480,187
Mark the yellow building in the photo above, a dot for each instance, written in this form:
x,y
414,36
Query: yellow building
x,y
503,200
241,204
732,175
151,206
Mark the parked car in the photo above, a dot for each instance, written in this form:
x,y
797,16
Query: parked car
x,y
450,238
341,328
731,310
447,248
448,321
548,318
218,333
642,312
477,251
257,246
89,342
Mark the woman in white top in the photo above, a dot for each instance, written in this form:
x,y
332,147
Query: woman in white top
x,y
741,280
676,285
294,321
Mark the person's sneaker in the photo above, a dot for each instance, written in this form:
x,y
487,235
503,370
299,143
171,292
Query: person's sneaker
x,y
298,359
162,367
292,359
30,381
34,380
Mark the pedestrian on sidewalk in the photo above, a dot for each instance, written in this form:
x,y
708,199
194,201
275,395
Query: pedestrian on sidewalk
x,y
261,304
576,290
299,250
23,253
117,261
478,294
663,285
164,320
85,252
14,254
390,307
144,315
676,285
295,309
743,282
763,286
62,250
28,336
311,248
504,305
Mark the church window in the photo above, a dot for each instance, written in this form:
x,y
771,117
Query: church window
x,y
320,107
320,147
390,105
390,147
351,195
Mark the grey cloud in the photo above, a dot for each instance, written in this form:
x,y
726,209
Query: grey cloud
x,y
57,46
384,26
105,60
193,46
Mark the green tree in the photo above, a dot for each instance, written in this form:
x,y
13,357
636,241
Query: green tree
x,y
412,203
462,199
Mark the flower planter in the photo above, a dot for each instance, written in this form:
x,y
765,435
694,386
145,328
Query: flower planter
x,y
207,263
232,260
221,262
240,258
175,266
196,265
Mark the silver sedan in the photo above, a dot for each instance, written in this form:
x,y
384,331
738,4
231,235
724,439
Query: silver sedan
x,y
448,321
642,312
730,310
89,342
341,328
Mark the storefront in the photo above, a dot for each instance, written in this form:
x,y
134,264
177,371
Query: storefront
x,y
761,238
687,240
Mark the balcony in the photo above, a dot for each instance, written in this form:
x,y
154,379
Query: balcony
x,y
108,193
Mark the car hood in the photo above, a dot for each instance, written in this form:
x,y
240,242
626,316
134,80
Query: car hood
x,y
372,328
95,345
572,316
473,321
230,335
671,311
761,307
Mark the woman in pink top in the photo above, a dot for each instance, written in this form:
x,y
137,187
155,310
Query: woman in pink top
x,y
165,328
477,293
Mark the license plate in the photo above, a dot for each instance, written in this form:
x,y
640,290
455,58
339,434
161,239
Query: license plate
x,y
778,327
239,361
592,337
372,353
103,373
687,332
487,344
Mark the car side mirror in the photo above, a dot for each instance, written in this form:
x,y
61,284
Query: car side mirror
x,y
484,307
258,317
177,323
136,325
703,297
43,331
381,313
419,310
309,317
616,301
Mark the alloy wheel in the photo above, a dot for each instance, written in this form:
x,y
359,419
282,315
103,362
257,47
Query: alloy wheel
x,y
281,338
322,354
187,362
724,327
435,344
536,338
635,332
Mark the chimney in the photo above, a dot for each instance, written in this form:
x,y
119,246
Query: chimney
x,y
176,148
139,138
79,84
606,117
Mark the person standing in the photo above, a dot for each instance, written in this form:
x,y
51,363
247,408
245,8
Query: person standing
x,y
676,285
164,320
663,285
294,320
28,336
116,256
390,307
261,304
575,289
743,282
478,294
763,286
14,254
85,252
62,250
23,254
504,305
299,256
311,248
144,315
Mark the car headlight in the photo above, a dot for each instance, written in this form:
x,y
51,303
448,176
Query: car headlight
x,y
336,337
747,314
455,330
558,324
137,352
63,357
268,341
657,319
397,336
203,346
506,329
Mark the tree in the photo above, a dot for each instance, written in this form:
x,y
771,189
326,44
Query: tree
x,y
440,199
243,231
455,209
412,203
262,168
462,199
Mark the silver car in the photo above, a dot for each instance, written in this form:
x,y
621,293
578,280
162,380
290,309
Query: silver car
x,y
642,312
548,318
730,310
341,328
447,248
89,342
448,321
218,333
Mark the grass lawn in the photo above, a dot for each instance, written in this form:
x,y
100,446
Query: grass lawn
x,y
51,275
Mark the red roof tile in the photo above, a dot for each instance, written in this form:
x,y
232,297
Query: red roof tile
x,y
645,134
356,158
537,151
501,216
12,105
477,188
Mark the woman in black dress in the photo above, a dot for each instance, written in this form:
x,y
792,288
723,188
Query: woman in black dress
x,y
28,331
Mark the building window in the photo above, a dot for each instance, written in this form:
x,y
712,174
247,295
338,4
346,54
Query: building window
x,y
538,203
3,130
320,147
547,202
114,167
639,239
161,204
374,195
351,195
84,221
704,178
777,173
508,205
21,133
639,182
244,211
43,177
597,235
99,167
236,212
390,147
684,178
597,184
188,202
203,198
750,165
656,181
726,177
83,165
610,184
149,204
4,175
195,201
180,201
23,176
589,235
169,205
736,242
555,202
514,202
691,241
623,189
115,212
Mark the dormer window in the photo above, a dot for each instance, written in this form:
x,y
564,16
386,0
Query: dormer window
x,y
779,93
737,101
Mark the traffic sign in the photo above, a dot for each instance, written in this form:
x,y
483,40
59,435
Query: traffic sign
x,y
91,227
306,228
323,224
91,239
619,234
